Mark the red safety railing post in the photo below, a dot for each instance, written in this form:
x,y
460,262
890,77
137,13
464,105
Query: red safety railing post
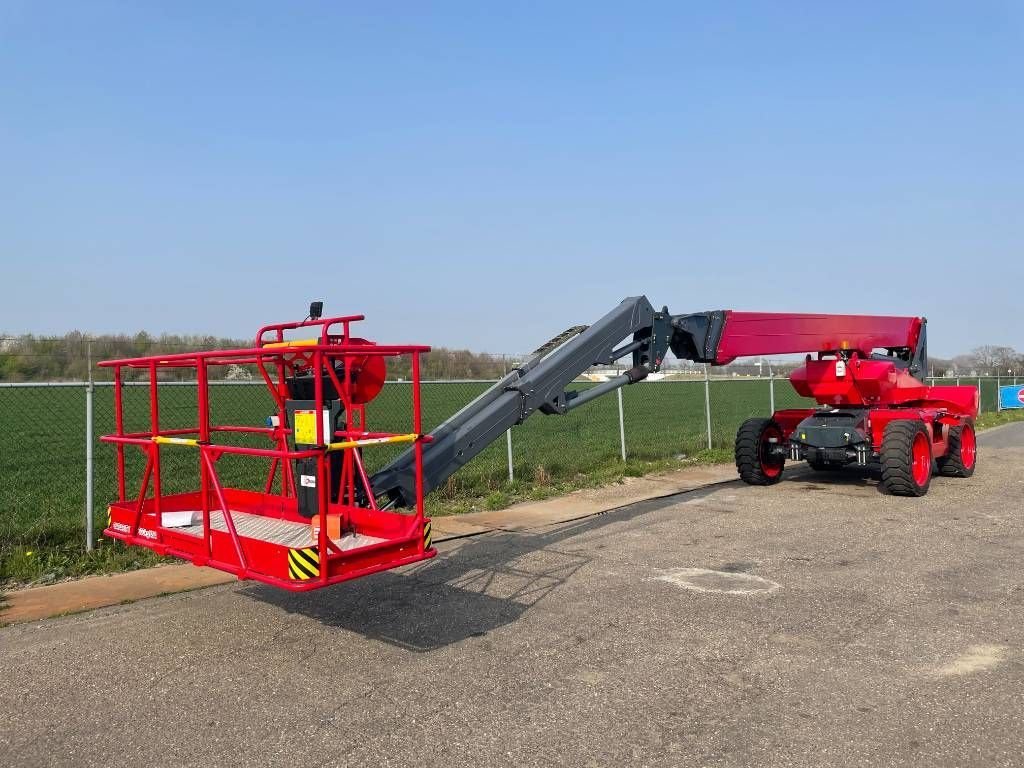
x,y
322,481
203,394
154,417
417,428
119,431
364,478
271,474
323,494
318,396
143,487
205,451
348,485
333,376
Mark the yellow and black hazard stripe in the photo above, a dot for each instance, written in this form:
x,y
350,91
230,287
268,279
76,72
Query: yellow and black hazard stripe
x,y
108,517
426,535
304,564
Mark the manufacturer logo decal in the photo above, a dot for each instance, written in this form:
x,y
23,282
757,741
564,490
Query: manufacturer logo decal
x,y
143,532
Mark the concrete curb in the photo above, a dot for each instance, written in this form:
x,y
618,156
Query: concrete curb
x,y
100,591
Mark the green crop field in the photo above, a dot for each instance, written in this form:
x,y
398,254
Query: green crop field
x,y
42,452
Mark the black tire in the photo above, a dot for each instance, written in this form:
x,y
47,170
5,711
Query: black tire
x,y
898,465
755,465
954,464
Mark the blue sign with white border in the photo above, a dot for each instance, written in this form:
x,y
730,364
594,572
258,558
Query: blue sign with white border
x,y
1011,397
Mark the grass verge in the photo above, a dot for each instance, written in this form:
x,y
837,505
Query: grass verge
x,y
24,566
997,419
453,499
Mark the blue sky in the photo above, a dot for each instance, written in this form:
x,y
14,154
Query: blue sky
x,y
484,174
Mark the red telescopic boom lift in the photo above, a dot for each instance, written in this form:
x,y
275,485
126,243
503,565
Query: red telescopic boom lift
x,y
321,518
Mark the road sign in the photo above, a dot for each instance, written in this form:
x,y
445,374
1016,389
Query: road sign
x,y
1011,397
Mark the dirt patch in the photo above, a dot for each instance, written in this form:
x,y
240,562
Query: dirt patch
x,y
721,582
977,658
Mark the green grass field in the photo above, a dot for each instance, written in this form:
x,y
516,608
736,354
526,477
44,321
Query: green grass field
x,y
42,454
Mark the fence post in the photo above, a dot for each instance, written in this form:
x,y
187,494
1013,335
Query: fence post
x,y
88,452
707,402
999,399
508,445
622,425
771,389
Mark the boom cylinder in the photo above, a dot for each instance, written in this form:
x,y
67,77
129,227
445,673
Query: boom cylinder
x,y
632,376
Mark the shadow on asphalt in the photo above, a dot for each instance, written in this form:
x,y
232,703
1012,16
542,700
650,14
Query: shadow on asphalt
x,y
860,477
482,583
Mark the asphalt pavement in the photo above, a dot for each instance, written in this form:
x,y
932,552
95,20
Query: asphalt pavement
x,y
818,622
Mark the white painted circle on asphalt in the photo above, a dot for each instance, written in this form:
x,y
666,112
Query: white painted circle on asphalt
x,y
720,582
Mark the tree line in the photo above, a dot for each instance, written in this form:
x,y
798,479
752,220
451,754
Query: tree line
x,y
66,358
986,361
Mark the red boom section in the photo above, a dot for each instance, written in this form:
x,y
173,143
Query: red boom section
x,y
766,333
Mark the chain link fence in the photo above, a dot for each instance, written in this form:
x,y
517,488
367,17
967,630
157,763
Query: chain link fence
x,y
51,455
988,386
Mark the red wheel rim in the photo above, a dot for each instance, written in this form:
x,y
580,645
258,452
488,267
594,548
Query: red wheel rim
x,y
921,459
771,465
968,447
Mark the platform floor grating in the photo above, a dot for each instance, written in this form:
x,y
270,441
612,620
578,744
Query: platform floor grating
x,y
282,532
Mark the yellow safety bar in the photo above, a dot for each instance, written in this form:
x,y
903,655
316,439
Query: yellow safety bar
x,y
372,441
296,343
175,441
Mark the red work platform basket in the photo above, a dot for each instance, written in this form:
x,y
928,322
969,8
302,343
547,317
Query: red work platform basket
x,y
324,525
